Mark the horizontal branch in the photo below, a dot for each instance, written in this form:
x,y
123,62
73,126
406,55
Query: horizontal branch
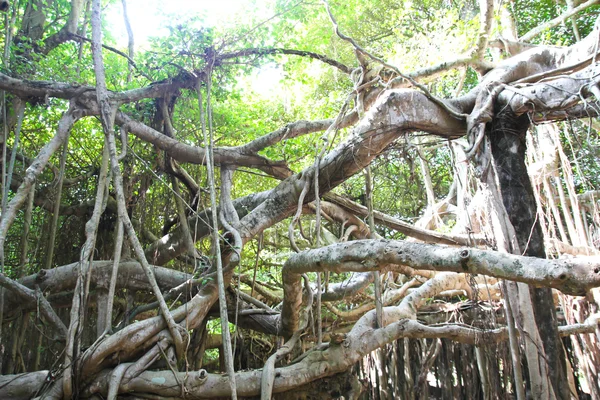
x,y
63,279
317,364
552,95
130,276
25,295
268,51
571,276
534,61
197,155
22,386
424,235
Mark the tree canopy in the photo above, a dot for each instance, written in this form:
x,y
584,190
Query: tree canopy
x,y
367,199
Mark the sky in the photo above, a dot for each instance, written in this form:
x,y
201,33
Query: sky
x,y
150,17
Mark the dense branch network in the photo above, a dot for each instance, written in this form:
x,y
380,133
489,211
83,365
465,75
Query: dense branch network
x,y
565,85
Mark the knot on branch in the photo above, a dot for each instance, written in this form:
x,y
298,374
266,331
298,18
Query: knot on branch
x,y
41,276
201,377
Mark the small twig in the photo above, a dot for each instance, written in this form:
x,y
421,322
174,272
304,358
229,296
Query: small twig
x,y
119,52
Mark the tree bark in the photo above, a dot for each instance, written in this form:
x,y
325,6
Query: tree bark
x,y
507,136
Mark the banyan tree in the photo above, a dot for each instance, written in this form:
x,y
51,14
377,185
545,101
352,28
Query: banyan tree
x,y
300,200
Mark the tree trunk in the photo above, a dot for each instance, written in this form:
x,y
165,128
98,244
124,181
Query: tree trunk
x,y
507,134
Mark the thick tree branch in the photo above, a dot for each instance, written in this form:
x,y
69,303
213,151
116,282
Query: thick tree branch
x,y
318,364
197,155
27,295
396,112
69,28
574,276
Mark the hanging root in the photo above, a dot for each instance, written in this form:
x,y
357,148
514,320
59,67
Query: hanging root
x,y
268,374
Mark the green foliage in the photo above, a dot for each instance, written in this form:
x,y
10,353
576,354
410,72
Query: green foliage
x,y
529,15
